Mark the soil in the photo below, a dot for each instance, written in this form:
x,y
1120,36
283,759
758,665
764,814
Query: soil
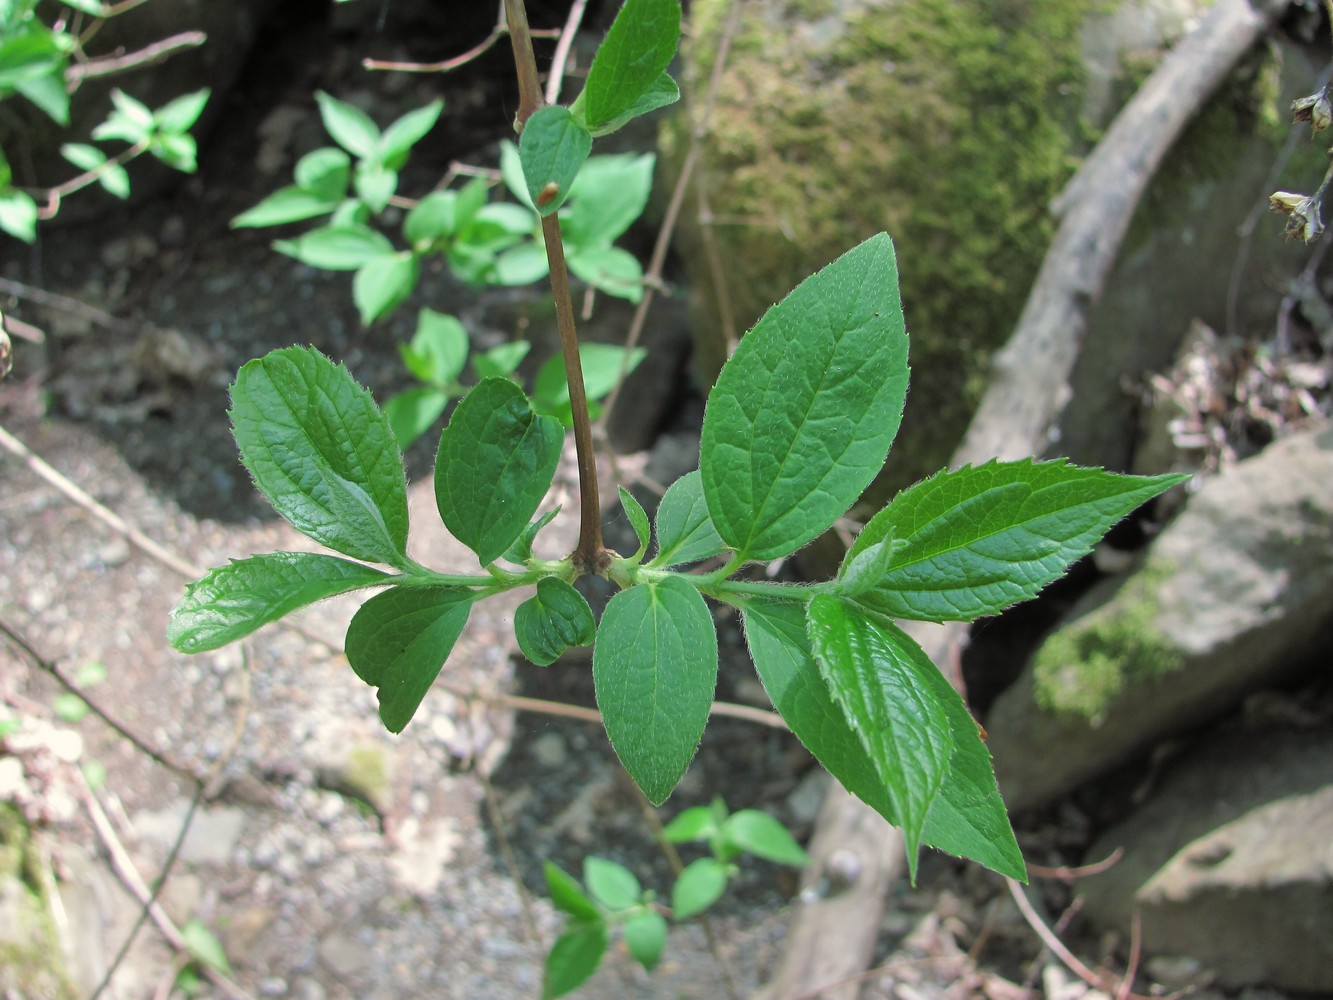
x,y
318,882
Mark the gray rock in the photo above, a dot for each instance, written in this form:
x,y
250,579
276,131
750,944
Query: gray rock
x,y
1231,861
1232,597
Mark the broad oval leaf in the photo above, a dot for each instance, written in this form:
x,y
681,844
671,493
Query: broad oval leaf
x,y
232,601
973,541
552,148
630,60
337,248
567,895
554,619
609,194
968,818
399,138
878,680
383,284
645,936
398,641
612,270
698,887
611,884
758,833
432,218
802,416
325,171
350,127
685,531
289,204
654,668
573,958
438,350
322,453
412,412
660,93
495,463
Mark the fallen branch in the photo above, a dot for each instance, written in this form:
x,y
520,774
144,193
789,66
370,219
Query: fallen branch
x,y
831,940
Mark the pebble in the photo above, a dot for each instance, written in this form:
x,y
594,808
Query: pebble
x,y
549,750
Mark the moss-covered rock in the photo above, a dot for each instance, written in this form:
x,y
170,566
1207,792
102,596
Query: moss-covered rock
x,y
30,954
950,125
1082,667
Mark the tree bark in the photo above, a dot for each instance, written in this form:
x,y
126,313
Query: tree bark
x,y
833,933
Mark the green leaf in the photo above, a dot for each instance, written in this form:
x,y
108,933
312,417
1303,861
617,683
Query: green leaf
x,y
968,818
521,549
413,412
602,365
698,887
976,540
567,895
204,947
375,184
176,151
521,265
336,248
696,823
324,172
660,94
399,138
69,707
631,59
609,194
398,641
350,127
685,532
511,172
48,93
803,414
438,350
554,619
609,269
500,362
867,566
654,668
93,7
758,833
431,219
495,463
573,958
638,519
179,115
878,678
383,284
231,601
645,936
18,215
115,181
289,204
612,885
552,148
83,156
322,453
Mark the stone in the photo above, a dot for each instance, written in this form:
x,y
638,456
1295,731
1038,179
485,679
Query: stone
x,y
1230,862
838,118
213,835
1231,598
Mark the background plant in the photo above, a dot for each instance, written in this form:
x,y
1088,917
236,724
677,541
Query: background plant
x,y
35,63
611,897
801,419
482,241
439,351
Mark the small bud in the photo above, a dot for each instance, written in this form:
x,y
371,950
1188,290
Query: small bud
x,y
1304,218
1316,109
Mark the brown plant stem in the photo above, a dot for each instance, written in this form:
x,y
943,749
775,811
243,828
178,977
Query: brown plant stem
x,y
590,555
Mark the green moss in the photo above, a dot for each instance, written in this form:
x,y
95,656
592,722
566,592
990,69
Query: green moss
x,y
1083,667
368,775
943,123
30,955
